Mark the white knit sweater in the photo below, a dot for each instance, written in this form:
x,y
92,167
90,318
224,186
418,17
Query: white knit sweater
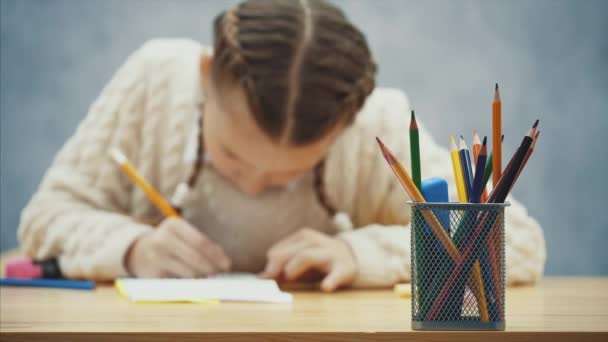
x,y
87,212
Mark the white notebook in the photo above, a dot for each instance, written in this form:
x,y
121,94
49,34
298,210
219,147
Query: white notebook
x,y
228,287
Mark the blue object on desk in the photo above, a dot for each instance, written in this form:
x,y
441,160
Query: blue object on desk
x,y
52,283
435,190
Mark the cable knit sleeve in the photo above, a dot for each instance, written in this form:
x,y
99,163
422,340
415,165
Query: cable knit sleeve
x,y
76,212
363,186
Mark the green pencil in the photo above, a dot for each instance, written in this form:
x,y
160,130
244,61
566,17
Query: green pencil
x,y
488,171
415,152
422,241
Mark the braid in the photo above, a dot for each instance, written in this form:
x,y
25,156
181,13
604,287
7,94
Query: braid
x,y
229,54
361,89
339,75
200,150
319,185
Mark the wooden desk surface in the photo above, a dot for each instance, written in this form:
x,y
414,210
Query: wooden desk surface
x,y
558,308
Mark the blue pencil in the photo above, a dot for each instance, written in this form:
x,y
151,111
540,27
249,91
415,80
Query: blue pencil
x,y
467,169
479,172
52,283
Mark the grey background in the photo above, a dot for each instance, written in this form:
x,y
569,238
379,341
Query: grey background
x,y
550,58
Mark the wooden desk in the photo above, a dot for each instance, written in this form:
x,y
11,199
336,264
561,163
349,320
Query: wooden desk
x,y
572,309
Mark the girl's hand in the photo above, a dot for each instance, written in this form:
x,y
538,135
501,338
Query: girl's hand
x,y
175,249
310,250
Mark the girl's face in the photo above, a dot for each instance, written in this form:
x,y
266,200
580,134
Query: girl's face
x,y
239,149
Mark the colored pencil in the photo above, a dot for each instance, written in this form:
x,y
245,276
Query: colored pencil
x,y
479,172
507,180
458,177
467,170
153,195
476,146
476,149
488,173
530,150
415,152
488,270
496,133
50,283
461,235
511,167
421,239
415,194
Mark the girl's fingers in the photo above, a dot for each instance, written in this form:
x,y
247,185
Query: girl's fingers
x,y
336,277
311,258
200,243
305,234
278,257
193,259
282,251
174,268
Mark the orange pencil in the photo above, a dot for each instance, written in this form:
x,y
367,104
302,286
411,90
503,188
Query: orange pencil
x,y
496,141
154,196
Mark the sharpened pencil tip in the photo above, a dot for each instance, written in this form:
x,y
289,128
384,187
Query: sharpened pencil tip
x,y
496,94
382,149
379,141
462,144
485,140
413,123
535,124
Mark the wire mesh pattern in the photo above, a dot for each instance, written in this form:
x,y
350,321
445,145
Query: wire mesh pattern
x,y
464,290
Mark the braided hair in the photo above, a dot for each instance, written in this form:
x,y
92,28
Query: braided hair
x,y
304,67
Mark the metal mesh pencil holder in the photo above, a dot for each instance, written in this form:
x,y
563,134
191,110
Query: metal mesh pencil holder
x,y
458,266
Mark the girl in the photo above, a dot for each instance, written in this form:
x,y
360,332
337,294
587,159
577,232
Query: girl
x,y
266,145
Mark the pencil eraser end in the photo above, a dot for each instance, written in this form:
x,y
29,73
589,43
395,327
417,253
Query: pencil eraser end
x,y
117,156
22,268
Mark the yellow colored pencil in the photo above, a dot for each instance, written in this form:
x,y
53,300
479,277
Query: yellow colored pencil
x,y
458,176
153,195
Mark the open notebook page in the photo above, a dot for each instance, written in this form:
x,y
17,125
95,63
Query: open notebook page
x,y
227,287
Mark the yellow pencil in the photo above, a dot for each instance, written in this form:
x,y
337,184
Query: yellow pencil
x,y
155,197
462,192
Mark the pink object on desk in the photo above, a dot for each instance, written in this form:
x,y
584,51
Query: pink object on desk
x,y
23,268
